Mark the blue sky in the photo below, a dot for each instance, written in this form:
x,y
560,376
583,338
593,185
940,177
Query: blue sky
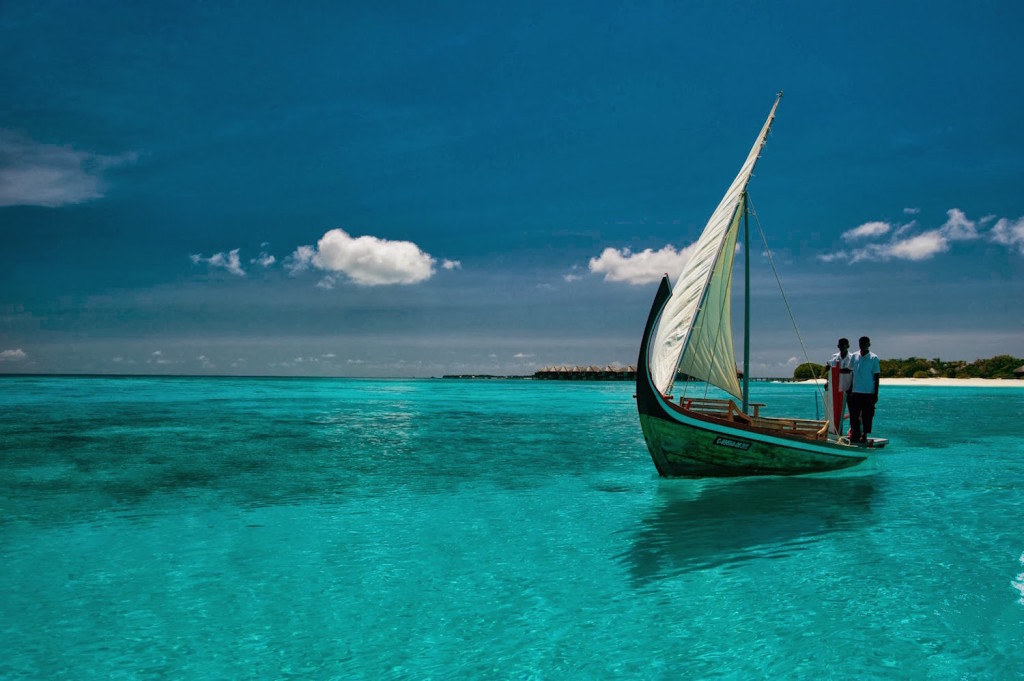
x,y
400,189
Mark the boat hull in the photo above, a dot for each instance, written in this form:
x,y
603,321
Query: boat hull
x,y
687,444
689,451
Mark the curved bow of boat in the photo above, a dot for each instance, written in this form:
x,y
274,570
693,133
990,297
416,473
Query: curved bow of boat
x,y
646,396
647,403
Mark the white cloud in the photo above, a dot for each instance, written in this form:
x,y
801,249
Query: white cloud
x,y
327,283
16,355
911,211
226,261
36,174
569,278
639,268
1009,233
366,260
264,260
451,264
301,260
833,257
522,355
958,227
904,244
918,247
868,229
903,229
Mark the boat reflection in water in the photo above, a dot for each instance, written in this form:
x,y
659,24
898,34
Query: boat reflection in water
x,y
712,523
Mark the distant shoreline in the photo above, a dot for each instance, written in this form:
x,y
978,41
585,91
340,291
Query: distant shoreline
x,y
886,382
951,382
956,382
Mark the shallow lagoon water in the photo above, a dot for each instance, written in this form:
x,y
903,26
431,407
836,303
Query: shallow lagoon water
x,y
273,528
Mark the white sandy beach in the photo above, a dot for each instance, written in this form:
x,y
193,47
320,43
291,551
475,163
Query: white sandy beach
x,y
953,382
956,382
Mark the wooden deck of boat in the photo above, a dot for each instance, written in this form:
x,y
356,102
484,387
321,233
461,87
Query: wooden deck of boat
x,y
727,410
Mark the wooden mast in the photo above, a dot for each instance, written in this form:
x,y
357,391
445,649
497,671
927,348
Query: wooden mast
x,y
746,306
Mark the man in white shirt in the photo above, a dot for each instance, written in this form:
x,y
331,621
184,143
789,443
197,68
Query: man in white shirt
x,y
865,370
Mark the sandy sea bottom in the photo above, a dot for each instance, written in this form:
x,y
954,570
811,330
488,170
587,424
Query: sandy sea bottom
x,y
261,528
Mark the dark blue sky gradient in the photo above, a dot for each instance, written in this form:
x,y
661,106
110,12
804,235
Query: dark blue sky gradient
x,y
520,142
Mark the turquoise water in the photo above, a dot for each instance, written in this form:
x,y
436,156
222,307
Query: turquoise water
x,y
267,529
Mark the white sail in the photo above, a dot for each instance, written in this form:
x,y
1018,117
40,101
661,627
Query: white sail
x,y
695,331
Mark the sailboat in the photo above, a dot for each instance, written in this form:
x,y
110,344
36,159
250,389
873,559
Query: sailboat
x,y
689,335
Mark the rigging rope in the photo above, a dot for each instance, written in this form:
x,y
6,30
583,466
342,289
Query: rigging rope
x,y
771,262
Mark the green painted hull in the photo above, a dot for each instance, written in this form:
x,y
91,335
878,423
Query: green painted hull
x,y
680,450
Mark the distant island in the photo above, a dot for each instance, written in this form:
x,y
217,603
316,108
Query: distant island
x,y
1000,366
569,373
613,372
